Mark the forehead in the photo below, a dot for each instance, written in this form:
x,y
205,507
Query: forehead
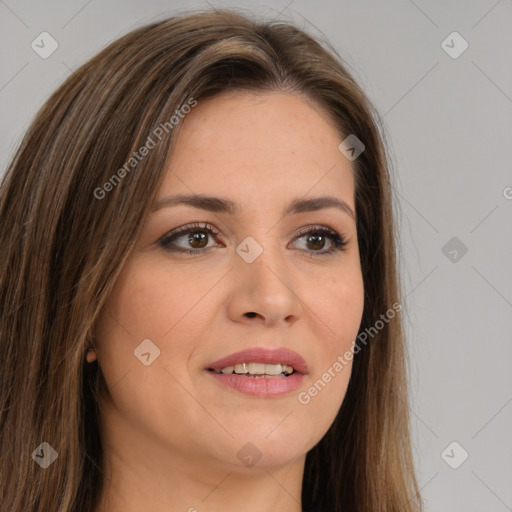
x,y
259,146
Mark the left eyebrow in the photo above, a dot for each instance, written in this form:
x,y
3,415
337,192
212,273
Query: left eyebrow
x,y
219,205
318,203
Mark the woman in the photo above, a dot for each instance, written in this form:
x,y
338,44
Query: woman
x,y
199,296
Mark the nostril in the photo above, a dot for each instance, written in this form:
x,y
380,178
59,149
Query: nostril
x,y
251,314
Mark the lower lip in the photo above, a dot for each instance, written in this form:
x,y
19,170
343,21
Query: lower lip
x,y
261,387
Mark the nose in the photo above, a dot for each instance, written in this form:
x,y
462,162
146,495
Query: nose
x,y
263,292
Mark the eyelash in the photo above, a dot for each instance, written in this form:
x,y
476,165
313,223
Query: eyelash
x,y
338,241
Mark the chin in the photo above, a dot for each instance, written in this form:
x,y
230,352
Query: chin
x,y
268,445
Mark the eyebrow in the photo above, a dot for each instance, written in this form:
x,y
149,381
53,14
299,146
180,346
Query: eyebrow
x,y
218,205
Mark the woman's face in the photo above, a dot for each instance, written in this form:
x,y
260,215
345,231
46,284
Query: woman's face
x,y
259,282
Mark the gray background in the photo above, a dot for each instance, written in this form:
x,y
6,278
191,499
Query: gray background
x,y
449,120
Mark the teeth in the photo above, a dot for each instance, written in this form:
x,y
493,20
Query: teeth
x,y
257,369
241,368
273,369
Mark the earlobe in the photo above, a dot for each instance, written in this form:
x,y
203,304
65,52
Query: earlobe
x,y
90,356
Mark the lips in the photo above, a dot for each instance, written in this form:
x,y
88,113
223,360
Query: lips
x,y
260,386
262,355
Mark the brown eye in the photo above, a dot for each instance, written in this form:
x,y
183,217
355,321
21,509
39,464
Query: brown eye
x,y
316,241
316,237
199,238
191,239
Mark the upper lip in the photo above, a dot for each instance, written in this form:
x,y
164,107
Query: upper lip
x,y
263,355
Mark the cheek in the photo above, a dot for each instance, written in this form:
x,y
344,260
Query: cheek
x,y
322,398
150,300
339,310
338,316
145,305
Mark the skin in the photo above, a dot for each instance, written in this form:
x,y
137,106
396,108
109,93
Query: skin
x,y
171,433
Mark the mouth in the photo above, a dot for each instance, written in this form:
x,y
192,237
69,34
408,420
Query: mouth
x,y
260,372
257,370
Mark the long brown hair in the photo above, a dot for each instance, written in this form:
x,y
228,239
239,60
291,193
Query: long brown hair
x,y
62,247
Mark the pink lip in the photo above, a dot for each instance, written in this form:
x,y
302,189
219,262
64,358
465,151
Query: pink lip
x,y
263,355
262,386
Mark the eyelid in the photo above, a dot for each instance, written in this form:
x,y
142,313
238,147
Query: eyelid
x,y
210,227
313,227
186,228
